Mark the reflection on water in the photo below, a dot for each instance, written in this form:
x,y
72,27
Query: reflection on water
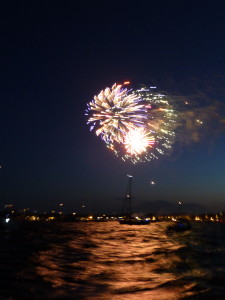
x,y
113,261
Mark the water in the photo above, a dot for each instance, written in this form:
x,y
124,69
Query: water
x,y
112,261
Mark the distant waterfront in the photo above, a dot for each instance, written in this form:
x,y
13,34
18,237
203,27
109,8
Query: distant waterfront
x,y
32,216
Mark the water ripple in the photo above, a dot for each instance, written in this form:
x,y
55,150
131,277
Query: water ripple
x,y
113,261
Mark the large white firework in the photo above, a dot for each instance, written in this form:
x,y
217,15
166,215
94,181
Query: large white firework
x,y
114,112
138,141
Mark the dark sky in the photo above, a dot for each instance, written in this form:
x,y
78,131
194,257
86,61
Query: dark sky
x,y
56,55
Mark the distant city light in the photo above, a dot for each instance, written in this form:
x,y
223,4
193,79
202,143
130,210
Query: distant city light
x,y
199,121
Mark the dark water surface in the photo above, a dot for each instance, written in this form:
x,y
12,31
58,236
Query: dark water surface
x,y
112,261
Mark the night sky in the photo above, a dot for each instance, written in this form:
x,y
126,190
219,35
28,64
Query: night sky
x,y
55,56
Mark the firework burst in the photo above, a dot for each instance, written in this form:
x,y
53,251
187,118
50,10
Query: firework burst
x,y
137,141
138,125
114,112
157,135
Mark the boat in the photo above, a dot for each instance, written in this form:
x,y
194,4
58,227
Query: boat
x,y
127,218
180,225
134,221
